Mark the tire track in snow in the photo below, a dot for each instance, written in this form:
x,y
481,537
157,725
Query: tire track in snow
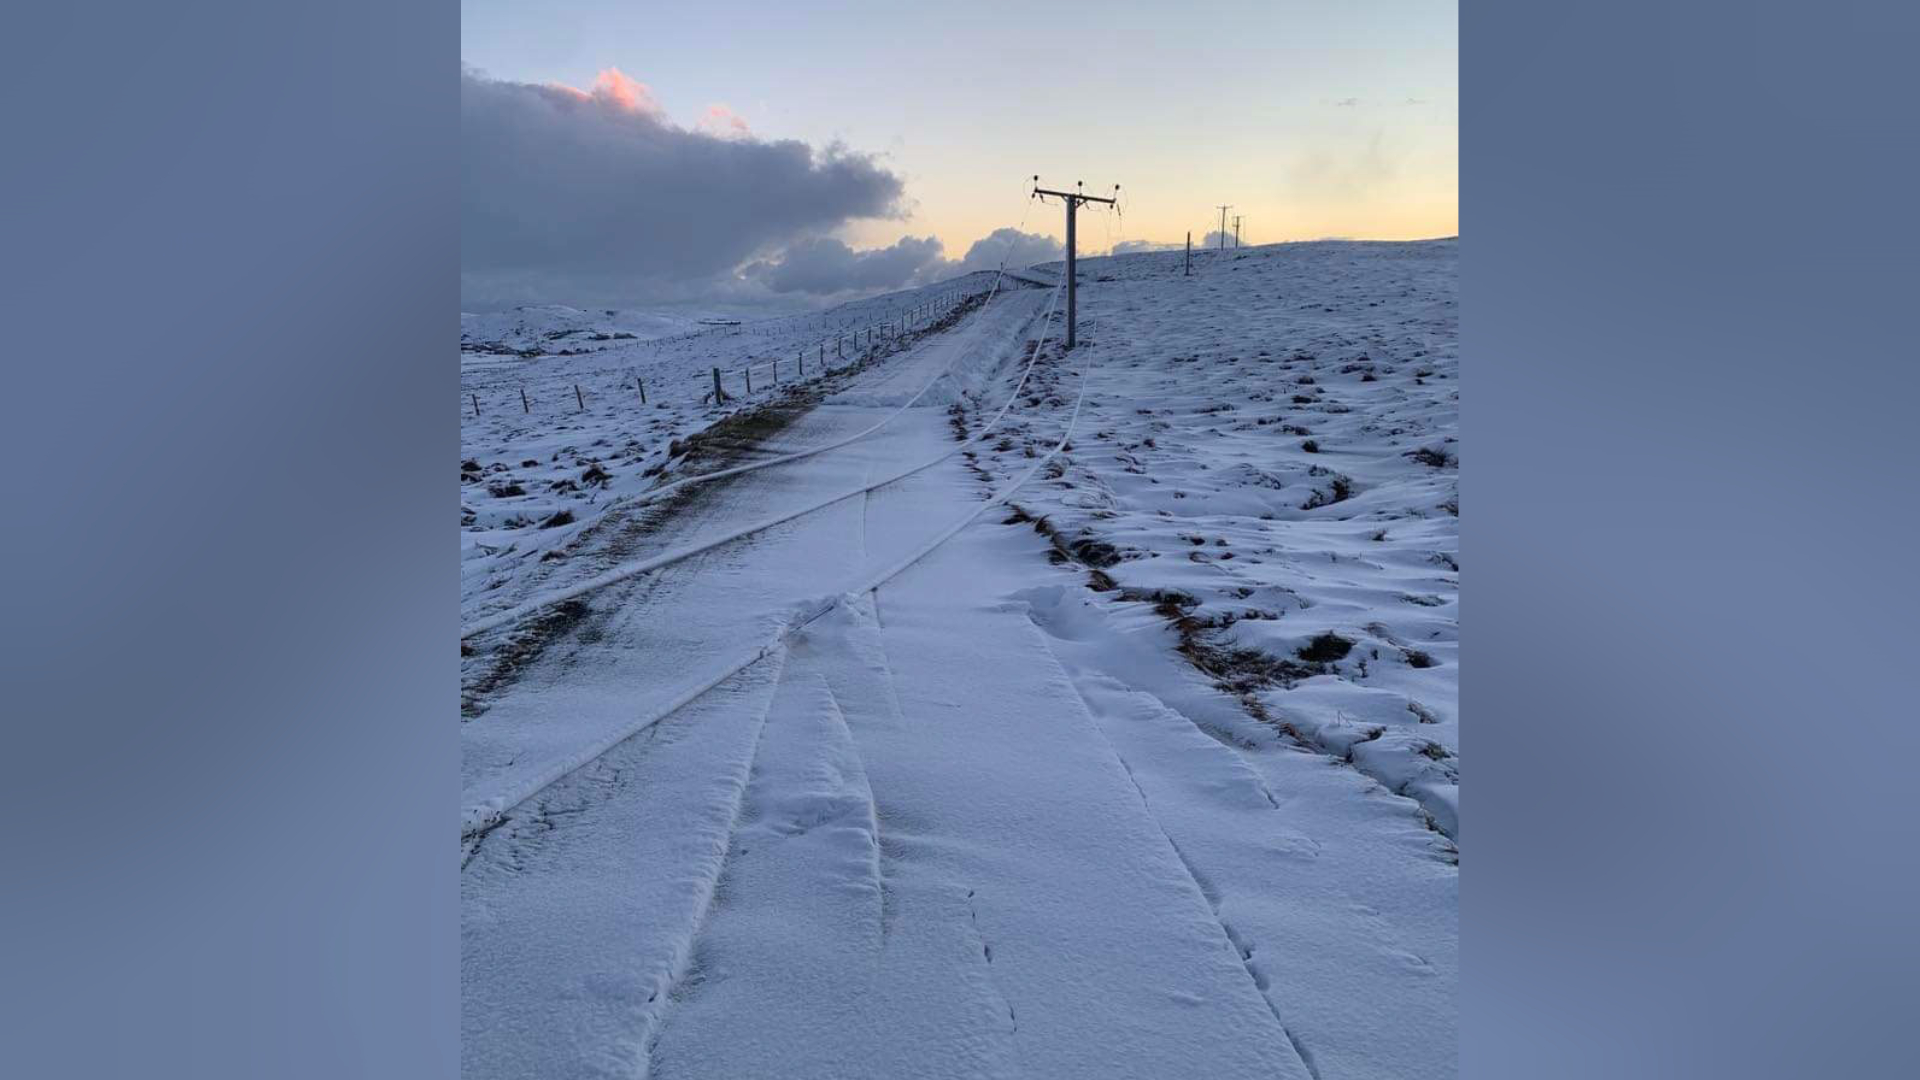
x,y
1098,938
868,647
1229,934
863,790
705,894
1342,917
793,970
577,912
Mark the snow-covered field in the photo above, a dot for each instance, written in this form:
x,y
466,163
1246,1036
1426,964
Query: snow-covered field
x,y
1270,457
1110,735
541,463
558,330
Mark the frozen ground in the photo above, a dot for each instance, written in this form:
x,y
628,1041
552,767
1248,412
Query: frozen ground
x,y
1270,459
541,464
898,787
558,330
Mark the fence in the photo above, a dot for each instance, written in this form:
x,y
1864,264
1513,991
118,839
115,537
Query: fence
x,y
811,361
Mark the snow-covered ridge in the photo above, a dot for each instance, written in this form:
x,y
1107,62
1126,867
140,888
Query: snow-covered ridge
x,y
555,329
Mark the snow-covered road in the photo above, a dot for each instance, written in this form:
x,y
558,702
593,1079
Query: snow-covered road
x,y
978,822
636,647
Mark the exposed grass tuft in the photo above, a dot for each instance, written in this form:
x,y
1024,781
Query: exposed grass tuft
x,y
1325,649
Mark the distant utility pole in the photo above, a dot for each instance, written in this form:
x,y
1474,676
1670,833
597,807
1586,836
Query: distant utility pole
x,y
1236,231
1073,199
1223,225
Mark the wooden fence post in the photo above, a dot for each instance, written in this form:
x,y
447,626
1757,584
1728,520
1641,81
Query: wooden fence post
x,y
476,404
643,389
524,407
578,398
719,395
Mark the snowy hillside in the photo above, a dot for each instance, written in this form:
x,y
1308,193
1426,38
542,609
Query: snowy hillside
x,y
1269,458
970,707
540,463
558,330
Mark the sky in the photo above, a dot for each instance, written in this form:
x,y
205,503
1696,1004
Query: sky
x,y
733,154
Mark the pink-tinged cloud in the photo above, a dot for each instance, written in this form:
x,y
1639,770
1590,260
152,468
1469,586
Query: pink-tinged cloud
x,y
616,90
722,122
625,91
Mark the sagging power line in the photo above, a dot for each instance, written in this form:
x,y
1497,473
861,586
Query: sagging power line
x,y
1073,199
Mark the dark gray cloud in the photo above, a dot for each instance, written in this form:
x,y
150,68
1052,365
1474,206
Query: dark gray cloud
x,y
823,266
596,197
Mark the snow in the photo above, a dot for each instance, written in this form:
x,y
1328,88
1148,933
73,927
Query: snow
x,y
732,616
558,330
536,477
1272,443
915,784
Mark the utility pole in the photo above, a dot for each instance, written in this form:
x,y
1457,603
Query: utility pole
x,y
1223,225
1073,199
1236,231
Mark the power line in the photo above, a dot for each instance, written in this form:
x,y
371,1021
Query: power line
x,y
1072,199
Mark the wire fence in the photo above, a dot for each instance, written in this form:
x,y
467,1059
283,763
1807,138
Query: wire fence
x,y
845,347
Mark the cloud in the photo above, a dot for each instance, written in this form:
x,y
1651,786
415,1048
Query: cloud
x,y
1134,247
723,123
823,266
1019,249
595,197
1354,102
614,88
